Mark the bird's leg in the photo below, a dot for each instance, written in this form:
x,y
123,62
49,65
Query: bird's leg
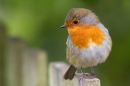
x,y
93,75
81,69
83,72
92,70
87,76
84,76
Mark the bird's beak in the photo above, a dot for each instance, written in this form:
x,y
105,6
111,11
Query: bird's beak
x,y
63,26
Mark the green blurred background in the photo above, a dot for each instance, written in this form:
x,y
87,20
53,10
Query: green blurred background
x,y
38,23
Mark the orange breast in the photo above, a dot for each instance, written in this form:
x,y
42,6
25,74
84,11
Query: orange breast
x,y
82,35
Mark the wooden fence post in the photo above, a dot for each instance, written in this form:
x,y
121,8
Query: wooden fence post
x,y
24,66
35,68
2,51
86,82
56,72
19,65
13,61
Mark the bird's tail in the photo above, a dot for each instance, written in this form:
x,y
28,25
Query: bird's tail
x,y
70,73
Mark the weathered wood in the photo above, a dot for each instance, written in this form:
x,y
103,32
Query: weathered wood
x,y
2,55
13,61
42,69
85,82
35,68
24,66
19,65
56,73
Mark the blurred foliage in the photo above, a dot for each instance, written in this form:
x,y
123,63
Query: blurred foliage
x,y
38,23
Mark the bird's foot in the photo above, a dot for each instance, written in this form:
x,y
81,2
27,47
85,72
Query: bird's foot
x,y
87,76
92,76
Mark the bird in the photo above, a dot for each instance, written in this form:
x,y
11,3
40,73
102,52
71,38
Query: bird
x,y
88,42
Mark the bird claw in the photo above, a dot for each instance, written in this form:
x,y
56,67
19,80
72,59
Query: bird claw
x,y
87,76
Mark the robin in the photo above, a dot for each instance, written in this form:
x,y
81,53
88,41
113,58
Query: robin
x,y
88,43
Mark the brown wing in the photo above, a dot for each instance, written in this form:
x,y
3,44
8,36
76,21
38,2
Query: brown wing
x,y
70,72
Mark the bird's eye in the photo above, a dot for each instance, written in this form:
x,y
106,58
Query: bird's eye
x,y
76,22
